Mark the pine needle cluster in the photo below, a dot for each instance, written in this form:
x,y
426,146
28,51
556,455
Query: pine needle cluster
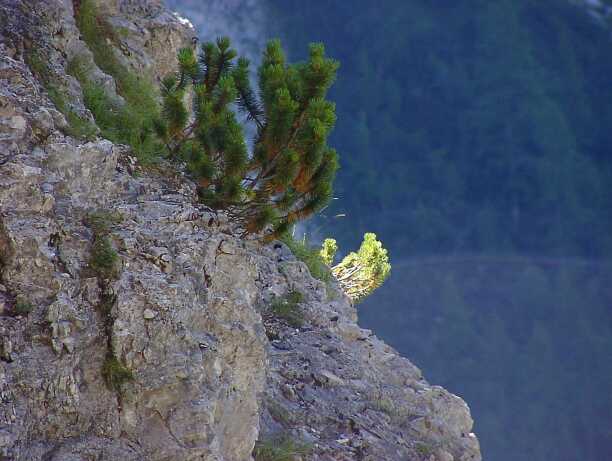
x,y
288,174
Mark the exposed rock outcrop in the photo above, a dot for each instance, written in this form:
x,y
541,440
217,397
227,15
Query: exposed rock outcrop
x,y
186,314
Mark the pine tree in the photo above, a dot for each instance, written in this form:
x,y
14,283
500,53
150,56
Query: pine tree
x,y
359,274
288,175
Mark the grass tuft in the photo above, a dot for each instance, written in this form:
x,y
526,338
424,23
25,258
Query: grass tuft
x,y
100,222
103,260
311,256
288,309
38,66
281,448
78,127
115,374
132,122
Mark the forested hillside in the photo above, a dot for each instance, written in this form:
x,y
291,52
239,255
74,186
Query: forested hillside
x,y
468,126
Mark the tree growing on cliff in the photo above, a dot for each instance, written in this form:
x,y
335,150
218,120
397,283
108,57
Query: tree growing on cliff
x,y
359,274
328,251
288,175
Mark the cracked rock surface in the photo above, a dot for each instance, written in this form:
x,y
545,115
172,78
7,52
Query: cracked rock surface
x,y
188,313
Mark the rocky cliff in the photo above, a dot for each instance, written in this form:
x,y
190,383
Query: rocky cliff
x,y
182,315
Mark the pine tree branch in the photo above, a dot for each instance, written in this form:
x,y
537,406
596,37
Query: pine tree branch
x,y
249,105
272,164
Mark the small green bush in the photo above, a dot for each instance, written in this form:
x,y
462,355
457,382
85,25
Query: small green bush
x,y
282,448
103,260
288,309
115,374
309,255
359,274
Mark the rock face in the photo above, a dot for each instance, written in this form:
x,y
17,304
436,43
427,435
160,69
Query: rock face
x,y
188,311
